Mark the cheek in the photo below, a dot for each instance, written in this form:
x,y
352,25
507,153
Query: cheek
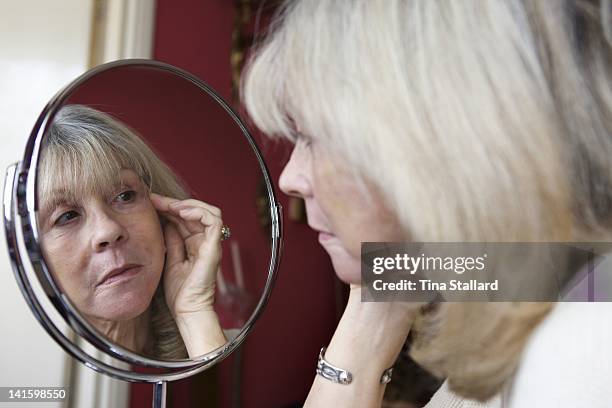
x,y
145,229
355,215
66,268
151,226
342,205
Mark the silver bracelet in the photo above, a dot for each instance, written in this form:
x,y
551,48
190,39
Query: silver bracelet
x,y
341,376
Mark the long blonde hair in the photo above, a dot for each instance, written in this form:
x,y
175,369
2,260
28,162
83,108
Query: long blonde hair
x,y
85,150
476,120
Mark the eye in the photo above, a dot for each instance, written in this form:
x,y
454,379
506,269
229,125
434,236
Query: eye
x,y
65,218
126,196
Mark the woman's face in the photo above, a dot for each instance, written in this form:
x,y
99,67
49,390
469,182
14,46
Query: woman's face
x,y
336,207
106,252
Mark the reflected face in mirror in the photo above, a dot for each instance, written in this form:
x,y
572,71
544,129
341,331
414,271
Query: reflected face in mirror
x,y
107,250
135,256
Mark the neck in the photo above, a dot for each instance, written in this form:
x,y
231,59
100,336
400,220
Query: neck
x,y
130,334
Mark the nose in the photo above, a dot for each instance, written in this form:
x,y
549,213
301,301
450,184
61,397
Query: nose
x,y
108,231
295,180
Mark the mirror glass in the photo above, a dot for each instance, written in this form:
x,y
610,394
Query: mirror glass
x,y
153,212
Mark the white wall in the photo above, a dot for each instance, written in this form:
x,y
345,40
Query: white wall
x,y
43,46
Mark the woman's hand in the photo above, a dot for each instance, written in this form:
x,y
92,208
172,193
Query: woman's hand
x,y
366,342
382,326
193,245
193,253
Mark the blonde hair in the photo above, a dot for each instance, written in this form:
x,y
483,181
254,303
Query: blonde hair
x,y
82,154
476,120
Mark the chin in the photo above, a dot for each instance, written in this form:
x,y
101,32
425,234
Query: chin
x,y
124,307
348,277
347,267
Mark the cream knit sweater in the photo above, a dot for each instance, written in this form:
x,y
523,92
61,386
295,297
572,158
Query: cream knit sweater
x,y
567,362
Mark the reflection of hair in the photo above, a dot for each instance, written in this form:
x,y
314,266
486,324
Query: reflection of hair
x,y
84,152
478,121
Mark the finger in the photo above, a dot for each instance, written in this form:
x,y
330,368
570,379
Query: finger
x,y
160,202
206,247
196,203
214,232
175,246
202,221
198,219
189,216
179,223
213,224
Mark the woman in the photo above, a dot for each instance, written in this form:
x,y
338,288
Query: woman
x,y
433,121
135,256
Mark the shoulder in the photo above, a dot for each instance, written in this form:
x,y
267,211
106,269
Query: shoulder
x,y
567,362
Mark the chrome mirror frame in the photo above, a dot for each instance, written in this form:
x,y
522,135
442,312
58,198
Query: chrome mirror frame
x,y
20,208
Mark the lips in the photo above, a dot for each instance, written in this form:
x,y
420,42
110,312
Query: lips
x,y
118,273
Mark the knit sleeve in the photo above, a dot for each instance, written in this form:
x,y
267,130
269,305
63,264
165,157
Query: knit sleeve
x,y
445,398
568,360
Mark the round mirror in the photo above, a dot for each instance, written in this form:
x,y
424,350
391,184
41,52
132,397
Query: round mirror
x,y
142,201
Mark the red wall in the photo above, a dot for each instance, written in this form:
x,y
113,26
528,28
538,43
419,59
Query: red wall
x,y
279,357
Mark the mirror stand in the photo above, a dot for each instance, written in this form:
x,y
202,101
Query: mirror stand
x,y
159,394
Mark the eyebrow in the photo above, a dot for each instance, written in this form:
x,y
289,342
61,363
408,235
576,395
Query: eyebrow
x,y
56,198
61,196
65,197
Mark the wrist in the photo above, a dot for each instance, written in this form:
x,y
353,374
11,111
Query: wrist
x,y
366,343
188,318
201,331
341,376
370,335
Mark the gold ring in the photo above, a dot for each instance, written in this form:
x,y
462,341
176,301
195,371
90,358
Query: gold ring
x,y
225,233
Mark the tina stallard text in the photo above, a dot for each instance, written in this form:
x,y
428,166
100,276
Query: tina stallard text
x,y
429,285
